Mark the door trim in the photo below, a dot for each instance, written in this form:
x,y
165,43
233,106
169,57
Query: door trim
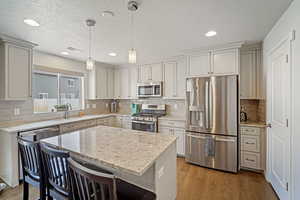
x,y
290,37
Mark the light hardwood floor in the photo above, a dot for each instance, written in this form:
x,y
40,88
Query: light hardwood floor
x,y
197,183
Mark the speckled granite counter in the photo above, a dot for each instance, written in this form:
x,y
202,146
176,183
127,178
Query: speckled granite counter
x,y
123,149
142,158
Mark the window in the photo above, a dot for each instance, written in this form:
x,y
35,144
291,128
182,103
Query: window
x,y
53,90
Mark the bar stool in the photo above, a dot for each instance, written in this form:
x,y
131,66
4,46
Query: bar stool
x,y
31,167
56,171
87,183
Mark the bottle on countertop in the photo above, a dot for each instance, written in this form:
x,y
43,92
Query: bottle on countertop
x,y
243,114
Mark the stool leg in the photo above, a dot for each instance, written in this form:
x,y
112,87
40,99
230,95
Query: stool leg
x,y
25,191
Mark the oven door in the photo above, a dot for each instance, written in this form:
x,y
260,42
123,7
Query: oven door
x,y
144,126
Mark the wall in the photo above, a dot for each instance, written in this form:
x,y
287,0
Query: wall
x,y
175,108
288,22
26,107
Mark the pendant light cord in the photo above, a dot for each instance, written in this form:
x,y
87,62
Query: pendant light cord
x,y
132,31
90,41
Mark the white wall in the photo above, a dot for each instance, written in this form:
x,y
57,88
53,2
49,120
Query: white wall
x,y
288,22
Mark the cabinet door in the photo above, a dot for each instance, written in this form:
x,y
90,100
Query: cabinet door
x,y
117,84
260,76
199,65
248,75
110,83
225,62
157,72
19,72
133,82
101,81
145,73
170,79
181,78
180,134
124,76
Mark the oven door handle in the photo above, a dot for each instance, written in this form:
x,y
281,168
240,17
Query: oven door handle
x,y
141,122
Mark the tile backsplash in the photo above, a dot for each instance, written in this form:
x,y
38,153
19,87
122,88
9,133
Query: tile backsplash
x,y
255,109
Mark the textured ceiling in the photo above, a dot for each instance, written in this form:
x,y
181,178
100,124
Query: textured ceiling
x,y
163,27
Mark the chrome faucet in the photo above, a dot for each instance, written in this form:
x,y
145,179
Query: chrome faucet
x,y
67,111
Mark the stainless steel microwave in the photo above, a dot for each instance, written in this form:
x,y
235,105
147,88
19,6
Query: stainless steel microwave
x,y
151,89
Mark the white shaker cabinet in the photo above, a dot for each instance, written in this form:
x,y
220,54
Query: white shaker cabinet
x,y
133,82
248,75
101,83
174,79
15,68
151,72
225,62
199,64
117,84
125,83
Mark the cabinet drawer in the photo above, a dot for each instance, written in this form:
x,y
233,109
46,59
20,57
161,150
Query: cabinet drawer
x,y
250,160
170,123
250,143
250,131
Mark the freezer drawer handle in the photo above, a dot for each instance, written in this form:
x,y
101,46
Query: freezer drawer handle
x,y
250,143
198,137
250,160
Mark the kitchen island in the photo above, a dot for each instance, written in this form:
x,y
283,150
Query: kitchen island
x,y
145,159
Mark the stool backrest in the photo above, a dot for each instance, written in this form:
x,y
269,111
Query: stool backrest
x,y
30,158
56,168
88,184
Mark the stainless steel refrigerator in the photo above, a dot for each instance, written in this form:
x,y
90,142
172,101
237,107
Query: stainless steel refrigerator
x,y
212,122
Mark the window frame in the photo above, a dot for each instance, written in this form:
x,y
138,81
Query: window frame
x,y
58,75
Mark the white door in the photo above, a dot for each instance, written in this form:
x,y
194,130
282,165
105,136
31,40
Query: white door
x,y
278,105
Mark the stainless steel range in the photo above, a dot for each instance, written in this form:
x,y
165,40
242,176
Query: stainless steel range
x,y
147,119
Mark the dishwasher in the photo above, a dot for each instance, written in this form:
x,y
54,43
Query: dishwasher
x,y
36,135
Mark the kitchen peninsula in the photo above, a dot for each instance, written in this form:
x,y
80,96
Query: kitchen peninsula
x,y
141,158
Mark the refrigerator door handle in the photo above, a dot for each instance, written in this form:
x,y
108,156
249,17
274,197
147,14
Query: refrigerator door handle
x,y
206,106
211,103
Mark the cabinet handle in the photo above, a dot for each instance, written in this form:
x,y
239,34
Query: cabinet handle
x,y
250,143
250,160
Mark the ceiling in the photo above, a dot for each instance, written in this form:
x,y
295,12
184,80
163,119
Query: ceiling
x,y
163,28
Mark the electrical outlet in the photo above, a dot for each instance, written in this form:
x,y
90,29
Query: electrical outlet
x,y
161,172
94,106
17,111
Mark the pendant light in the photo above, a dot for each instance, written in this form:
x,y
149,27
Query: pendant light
x,y
90,63
132,6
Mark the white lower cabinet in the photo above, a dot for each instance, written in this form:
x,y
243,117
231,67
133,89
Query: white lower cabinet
x,y
252,148
175,128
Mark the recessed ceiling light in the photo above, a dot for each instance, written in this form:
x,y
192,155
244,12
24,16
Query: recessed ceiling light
x,y
107,13
65,53
112,54
31,22
211,33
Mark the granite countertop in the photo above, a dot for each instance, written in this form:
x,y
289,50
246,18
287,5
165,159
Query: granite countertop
x,y
121,149
12,128
254,124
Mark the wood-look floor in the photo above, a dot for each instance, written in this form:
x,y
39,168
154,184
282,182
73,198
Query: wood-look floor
x,y
197,183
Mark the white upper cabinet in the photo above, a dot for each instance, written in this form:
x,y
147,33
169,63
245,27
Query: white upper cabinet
x,y
174,79
133,82
151,72
248,75
117,84
15,69
252,84
101,83
125,83
225,62
199,65
110,83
